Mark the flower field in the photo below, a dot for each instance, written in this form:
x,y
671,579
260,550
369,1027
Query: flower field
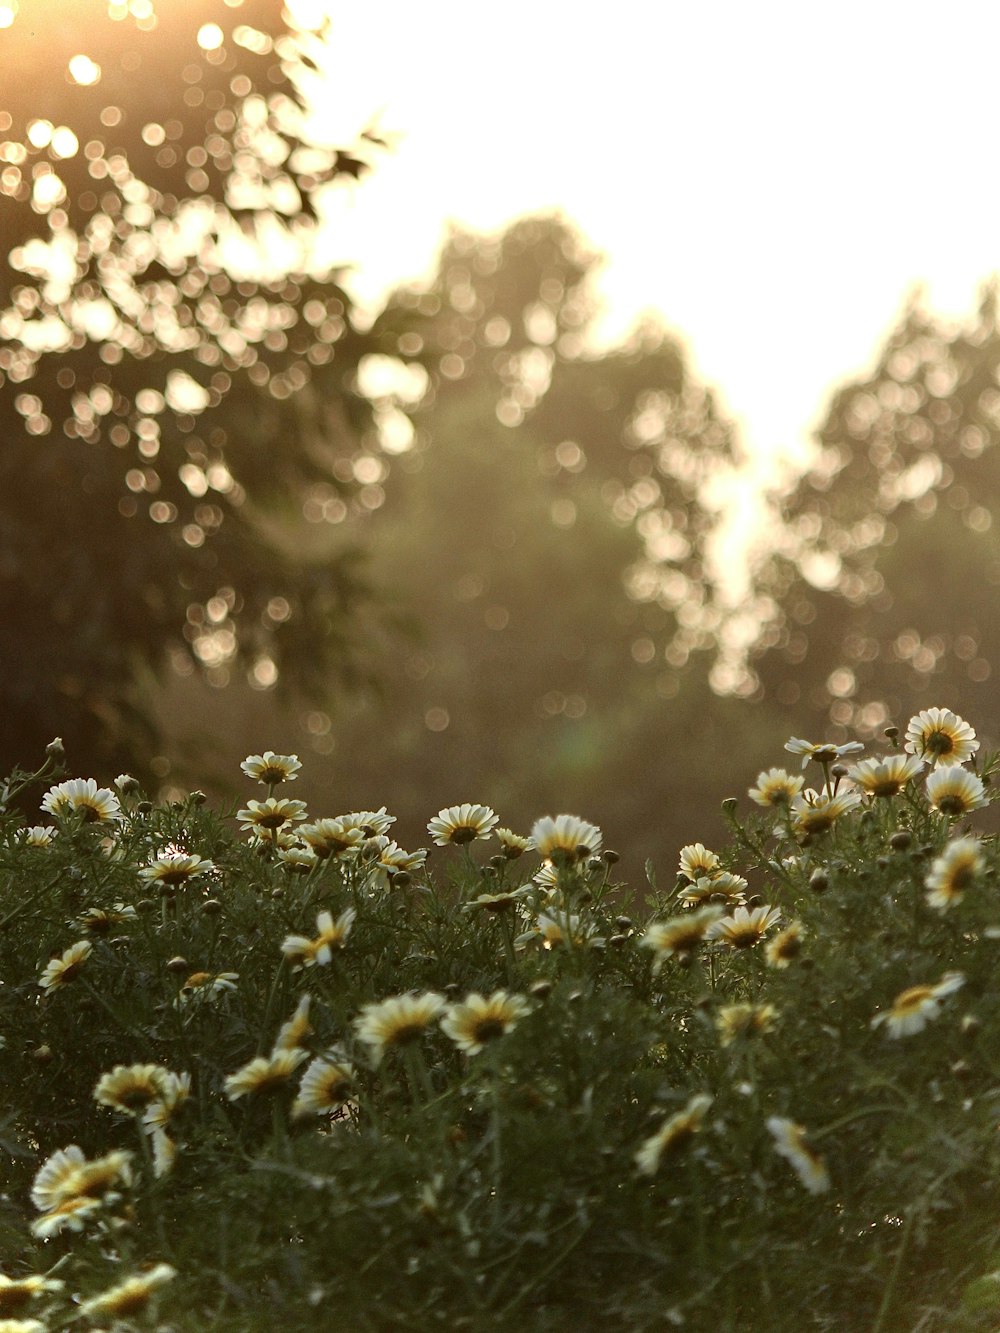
x,y
273,1070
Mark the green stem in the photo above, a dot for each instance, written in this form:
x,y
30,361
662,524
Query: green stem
x,y
279,975
890,1289
507,930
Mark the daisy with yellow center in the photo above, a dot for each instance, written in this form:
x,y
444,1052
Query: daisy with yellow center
x,y
397,1021
265,1073
955,791
776,788
302,951
15,1293
299,860
60,971
745,927
370,823
813,813
294,1032
203,985
175,868
565,838
56,1180
83,798
940,737
68,1175
71,1215
39,835
326,1086
559,929
269,768
959,865
824,753
391,857
330,934
331,837
886,777
462,824
282,839
721,886
175,1092
785,946
792,1143
697,862
512,845
736,1021
915,1007
100,921
131,1088
547,878
129,1297
270,815
479,1020
680,935
673,1134
504,901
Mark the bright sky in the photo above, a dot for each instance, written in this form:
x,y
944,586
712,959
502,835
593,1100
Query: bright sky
x,y
773,177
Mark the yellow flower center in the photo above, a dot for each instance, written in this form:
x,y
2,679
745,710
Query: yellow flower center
x,y
912,999
405,1033
464,833
939,743
952,803
488,1029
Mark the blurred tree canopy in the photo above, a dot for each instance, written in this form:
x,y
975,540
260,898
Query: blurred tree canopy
x,y
889,579
178,369
545,527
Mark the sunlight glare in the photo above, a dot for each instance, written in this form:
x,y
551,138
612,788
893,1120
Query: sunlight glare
x,y
82,69
40,133
210,37
64,142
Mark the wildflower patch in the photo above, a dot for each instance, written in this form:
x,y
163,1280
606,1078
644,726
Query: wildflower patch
x,y
267,1064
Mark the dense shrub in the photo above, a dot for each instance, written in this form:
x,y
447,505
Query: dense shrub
x,y
283,1073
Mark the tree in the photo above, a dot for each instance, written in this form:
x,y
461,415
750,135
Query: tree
x,y
178,368
888,593
544,528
